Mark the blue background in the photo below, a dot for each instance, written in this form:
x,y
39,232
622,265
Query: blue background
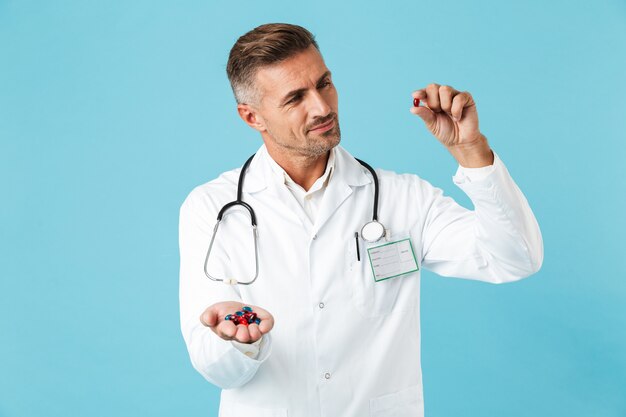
x,y
111,112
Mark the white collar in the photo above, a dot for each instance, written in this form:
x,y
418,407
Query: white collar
x,y
345,169
282,175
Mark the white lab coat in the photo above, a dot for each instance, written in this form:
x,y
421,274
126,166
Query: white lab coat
x,y
343,345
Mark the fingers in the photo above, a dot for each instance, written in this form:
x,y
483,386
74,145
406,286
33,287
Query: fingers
x,y
446,94
209,317
442,98
227,330
242,335
214,317
461,101
426,114
255,332
266,325
267,320
432,97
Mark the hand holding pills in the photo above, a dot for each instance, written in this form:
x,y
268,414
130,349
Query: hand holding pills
x,y
226,319
245,316
451,116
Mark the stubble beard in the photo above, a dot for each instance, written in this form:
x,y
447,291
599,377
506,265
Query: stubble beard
x,y
314,146
317,146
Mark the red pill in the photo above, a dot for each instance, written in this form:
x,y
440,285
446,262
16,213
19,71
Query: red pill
x,y
416,102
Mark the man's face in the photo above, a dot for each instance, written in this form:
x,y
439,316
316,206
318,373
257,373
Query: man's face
x,y
299,105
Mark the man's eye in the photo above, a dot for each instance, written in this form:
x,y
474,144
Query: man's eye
x,y
325,84
294,99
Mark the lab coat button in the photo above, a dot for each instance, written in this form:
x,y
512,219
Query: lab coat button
x,y
327,375
314,236
321,305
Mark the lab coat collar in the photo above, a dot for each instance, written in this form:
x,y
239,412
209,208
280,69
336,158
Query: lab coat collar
x,y
347,171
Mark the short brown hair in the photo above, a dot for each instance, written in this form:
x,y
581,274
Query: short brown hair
x,y
264,45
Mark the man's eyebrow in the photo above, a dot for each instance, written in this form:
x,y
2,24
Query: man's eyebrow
x,y
293,93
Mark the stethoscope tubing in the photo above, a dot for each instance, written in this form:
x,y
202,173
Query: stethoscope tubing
x,y
239,202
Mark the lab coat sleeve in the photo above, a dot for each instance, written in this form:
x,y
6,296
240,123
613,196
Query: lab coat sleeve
x,y
223,363
499,241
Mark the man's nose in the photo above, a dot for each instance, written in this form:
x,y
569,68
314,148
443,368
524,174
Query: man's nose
x,y
318,106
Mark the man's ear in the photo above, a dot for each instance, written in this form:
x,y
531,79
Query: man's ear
x,y
251,117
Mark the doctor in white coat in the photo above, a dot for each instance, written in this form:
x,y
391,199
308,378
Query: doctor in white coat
x,y
338,338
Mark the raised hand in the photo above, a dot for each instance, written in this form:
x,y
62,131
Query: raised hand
x,y
451,116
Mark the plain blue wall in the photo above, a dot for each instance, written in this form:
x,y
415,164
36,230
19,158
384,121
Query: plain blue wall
x,y
111,112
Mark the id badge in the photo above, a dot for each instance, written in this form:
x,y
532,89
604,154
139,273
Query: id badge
x,y
392,259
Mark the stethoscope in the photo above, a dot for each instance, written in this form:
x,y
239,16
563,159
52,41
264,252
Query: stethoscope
x,y
371,231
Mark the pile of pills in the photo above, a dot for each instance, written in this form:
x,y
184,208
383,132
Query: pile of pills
x,y
246,316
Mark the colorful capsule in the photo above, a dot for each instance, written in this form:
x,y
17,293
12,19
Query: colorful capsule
x,y
416,102
244,317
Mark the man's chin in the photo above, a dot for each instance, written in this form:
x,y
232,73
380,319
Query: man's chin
x,y
323,146
333,136
330,142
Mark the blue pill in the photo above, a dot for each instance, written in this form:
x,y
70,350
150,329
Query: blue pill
x,y
228,317
239,313
246,308
257,320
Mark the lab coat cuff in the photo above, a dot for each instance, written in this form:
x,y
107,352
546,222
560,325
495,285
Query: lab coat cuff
x,y
465,175
258,351
251,350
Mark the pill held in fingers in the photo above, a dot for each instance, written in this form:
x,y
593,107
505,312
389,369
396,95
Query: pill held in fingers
x,y
416,102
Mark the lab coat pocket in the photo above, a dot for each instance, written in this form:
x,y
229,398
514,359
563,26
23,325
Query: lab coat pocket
x,y
403,403
373,298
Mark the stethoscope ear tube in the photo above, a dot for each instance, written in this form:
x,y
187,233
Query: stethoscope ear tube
x,y
220,215
232,281
371,170
374,230
242,175
237,203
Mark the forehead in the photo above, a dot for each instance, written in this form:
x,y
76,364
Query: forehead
x,y
303,70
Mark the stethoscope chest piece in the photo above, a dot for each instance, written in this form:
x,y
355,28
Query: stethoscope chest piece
x,y
372,231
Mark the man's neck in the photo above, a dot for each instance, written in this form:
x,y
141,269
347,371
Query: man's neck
x,y
303,170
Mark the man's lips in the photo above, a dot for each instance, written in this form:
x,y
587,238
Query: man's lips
x,y
322,128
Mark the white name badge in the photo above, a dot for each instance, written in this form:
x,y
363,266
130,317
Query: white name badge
x,y
392,259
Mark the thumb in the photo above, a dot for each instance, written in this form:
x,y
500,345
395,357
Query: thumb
x,y
426,114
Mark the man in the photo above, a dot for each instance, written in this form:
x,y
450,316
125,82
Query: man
x,y
339,334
